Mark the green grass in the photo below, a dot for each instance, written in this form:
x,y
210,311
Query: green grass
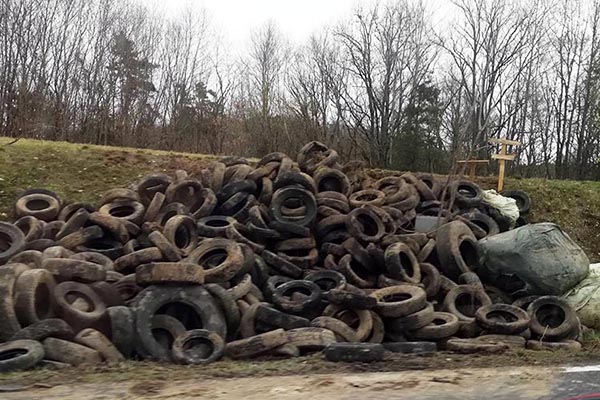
x,y
80,172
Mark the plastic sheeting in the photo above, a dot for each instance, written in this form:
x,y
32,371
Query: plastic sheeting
x,y
505,205
585,298
533,259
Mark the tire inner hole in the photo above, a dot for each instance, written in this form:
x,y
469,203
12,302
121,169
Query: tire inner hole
x,y
406,264
77,300
330,183
467,304
184,313
42,301
122,211
396,297
10,354
213,258
501,316
199,348
359,270
468,252
37,204
183,236
368,225
550,315
5,242
348,317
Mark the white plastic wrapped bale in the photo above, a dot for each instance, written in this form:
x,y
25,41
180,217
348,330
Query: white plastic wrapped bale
x,y
585,298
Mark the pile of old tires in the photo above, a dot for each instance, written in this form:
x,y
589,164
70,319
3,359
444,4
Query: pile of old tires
x,y
279,258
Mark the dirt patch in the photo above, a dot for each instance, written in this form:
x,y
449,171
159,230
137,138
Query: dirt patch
x,y
312,364
469,383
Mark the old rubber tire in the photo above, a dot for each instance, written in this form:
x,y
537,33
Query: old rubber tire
x,y
464,301
9,322
351,298
51,327
552,318
457,249
411,347
195,298
399,301
69,269
444,325
169,273
354,352
12,241
97,341
19,355
222,259
256,345
502,319
33,293
62,303
198,347
121,321
284,300
70,353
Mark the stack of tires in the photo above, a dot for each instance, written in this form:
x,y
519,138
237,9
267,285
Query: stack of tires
x,y
278,258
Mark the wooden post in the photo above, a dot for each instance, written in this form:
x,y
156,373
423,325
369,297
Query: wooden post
x,y
503,158
472,164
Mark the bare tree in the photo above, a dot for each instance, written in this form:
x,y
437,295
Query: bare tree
x,y
388,55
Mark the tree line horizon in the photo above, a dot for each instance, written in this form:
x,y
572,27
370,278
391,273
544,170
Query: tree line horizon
x,y
384,85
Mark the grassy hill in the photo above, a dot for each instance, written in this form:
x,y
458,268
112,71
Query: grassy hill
x,y
83,172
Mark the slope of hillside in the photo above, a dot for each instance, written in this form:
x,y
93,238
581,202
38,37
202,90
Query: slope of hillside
x,y
82,172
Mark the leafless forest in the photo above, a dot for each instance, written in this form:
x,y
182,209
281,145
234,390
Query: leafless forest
x,y
386,85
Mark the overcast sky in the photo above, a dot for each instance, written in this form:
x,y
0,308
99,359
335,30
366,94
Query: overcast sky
x,y
297,19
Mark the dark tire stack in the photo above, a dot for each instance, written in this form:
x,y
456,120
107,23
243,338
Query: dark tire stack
x,y
278,258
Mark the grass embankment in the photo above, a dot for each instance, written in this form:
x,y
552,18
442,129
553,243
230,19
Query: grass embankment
x,y
83,172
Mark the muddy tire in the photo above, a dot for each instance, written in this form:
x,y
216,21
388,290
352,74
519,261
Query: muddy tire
x,y
454,302
502,319
9,322
171,273
62,300
470,346
227,305
13,241
552,318
20,355
33,293
411,347
97,341
284,300
121,321
201,310
310,338
51,327
410,300
353,299
444,325
42,206
412,321
198,347
222,259
256,345
354,352
70,353
69,269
